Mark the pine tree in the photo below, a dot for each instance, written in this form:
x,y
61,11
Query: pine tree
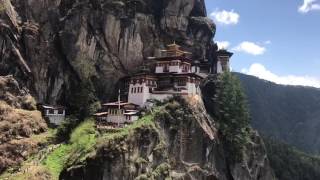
x,y
83,101
232,115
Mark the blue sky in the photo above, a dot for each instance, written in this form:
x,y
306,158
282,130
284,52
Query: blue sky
x,y
277,40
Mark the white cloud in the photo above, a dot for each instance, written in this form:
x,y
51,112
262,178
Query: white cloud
x,y
309,5
223,44
267,42
261,72
225,17
250,48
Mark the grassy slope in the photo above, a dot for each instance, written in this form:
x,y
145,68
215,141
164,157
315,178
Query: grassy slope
x,y
29,169
83,142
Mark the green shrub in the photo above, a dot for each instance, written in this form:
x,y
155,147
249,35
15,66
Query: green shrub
x,y
82,100
82,141
64,130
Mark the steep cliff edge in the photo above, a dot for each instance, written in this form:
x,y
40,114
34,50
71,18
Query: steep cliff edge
x,y
175,141
21,126
60,47
53,47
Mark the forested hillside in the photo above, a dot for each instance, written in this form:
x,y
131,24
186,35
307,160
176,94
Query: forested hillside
x,y
289,113
290,164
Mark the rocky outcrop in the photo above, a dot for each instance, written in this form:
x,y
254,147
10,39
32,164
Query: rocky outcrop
x,y
182,144
19,121
52,46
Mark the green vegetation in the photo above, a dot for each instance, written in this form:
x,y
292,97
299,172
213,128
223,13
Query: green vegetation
x,y
289,113
160,172
65,128
82,98
82,101
82,141
29,168
290,164
232,115
145,121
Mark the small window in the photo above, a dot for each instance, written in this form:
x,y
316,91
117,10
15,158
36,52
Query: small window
x,y
141,89
60,111
51,111
135,90
131,90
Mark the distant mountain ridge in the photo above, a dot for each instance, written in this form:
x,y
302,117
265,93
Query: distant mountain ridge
x,y
289,113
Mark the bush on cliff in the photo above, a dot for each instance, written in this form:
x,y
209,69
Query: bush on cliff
x,y
232,115
64,130
82,101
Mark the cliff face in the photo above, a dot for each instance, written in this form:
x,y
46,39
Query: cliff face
x,y
179,142
52,46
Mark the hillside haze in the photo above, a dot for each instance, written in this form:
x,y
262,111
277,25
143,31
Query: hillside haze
x,y
289,113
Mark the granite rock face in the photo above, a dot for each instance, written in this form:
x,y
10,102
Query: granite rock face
x,y
52,46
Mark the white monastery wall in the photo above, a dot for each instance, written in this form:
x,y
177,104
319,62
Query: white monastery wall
x,y
137,97
219,67
134,118
195,69
56,119
175,69
116,119
159,69
55,112
161,97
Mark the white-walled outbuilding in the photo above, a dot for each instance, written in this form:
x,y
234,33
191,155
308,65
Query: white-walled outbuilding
x,y
54,114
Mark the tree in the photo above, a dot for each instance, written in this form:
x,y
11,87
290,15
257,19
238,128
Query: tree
x,y
232,115
83,101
